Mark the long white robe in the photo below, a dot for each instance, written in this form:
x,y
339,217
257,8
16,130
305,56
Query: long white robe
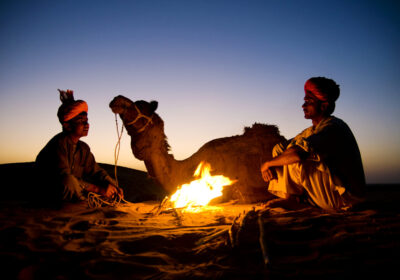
x,y
332,175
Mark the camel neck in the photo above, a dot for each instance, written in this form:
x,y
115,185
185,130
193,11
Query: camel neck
x,y
162,166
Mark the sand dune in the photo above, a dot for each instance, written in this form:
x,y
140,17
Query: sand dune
x,y
133,241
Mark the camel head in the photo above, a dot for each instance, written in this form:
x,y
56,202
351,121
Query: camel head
x,y
136,115
120,104
139,120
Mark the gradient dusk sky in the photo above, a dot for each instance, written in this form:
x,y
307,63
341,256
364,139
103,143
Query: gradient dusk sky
x,y
213,66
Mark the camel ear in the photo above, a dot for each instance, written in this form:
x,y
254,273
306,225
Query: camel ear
x,y
153,106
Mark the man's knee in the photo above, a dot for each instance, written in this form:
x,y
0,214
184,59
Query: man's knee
x,y
72,188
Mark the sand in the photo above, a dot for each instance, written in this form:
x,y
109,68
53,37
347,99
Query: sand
x,y
125,242
226,241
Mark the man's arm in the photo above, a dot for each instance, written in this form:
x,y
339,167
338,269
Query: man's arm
x,y
108,186
60,159
291,155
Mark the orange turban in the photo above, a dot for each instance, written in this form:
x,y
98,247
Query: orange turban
x,y
70,107
323,89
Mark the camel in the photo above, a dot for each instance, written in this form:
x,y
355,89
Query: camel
x,y
237,157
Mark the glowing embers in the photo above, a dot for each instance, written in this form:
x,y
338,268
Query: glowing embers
x,y
201,191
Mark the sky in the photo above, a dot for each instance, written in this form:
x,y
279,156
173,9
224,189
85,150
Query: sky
x,y
213,66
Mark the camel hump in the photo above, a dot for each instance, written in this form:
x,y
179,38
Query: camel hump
x,y
260,129
253,136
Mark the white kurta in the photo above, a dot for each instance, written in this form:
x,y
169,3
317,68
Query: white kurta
x,y
332,175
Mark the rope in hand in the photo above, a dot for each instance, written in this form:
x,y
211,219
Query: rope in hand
x,y
96,200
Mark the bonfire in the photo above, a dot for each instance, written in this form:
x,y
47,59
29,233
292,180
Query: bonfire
x,y
201,191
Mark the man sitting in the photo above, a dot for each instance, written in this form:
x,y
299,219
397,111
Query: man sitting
x,y
323,162
67,168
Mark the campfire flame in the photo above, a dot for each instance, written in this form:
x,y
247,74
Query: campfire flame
x,y
201,191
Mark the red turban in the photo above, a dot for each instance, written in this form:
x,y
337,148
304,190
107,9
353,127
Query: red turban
x,y
70,107
323,89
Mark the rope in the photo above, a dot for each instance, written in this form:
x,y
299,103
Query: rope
x,y
117,148
140,115
96,200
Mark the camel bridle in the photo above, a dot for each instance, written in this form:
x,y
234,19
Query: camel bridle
x,y
138,117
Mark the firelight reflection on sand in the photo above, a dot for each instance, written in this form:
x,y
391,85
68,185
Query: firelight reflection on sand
x,y
201,191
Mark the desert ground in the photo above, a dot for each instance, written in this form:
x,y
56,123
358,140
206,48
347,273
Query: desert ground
x,y
140,240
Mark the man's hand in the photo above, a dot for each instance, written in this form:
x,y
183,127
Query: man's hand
x,y
267,172
289,156
111,191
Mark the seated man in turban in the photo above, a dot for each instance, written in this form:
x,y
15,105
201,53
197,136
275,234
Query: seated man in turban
x,y
66,166
323,163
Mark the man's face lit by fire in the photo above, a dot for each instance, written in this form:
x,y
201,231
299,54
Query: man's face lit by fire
x,y
79,126
311,107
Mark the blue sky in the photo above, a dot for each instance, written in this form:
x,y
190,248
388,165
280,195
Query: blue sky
x,y
213,66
